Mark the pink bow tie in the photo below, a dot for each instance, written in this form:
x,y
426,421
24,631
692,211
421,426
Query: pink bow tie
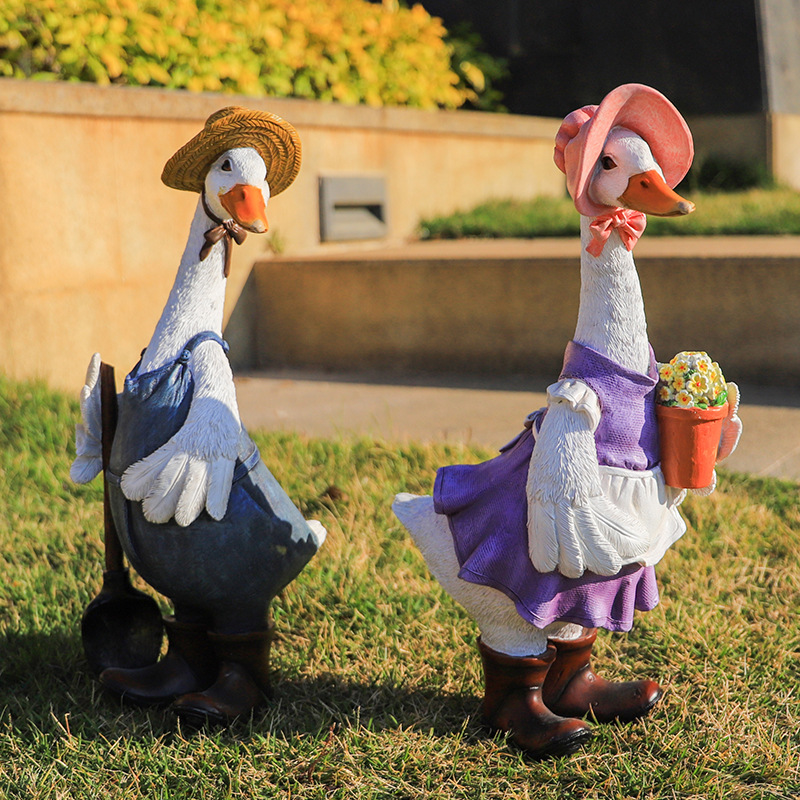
x,y
629,225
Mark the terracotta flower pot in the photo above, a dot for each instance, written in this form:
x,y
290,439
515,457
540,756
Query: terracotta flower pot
x,y
689,439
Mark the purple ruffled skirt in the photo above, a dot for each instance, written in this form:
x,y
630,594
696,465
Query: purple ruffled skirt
x,y
486,505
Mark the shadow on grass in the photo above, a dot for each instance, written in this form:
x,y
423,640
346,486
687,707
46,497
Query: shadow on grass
x,y
46,687
309,705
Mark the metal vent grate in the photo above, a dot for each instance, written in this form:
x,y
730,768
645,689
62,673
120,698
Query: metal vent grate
x,y
352,207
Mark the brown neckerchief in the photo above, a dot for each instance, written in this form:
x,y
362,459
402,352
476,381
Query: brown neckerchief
x,y
225,229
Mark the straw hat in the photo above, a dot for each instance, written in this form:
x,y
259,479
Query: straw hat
x,y
275,140
641,109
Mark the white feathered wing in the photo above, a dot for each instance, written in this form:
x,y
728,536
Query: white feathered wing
x,y
572,526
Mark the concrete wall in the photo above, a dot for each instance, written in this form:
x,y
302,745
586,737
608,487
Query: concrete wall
x,y
784,148
738,137
779,29
91,238
769,139
510,308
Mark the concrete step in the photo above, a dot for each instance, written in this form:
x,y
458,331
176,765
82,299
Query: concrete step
x,y
506,306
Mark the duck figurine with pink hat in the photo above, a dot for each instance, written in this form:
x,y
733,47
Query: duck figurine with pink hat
x,y
559,534
198,514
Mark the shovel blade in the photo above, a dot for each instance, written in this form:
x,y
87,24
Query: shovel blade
x,y
121,627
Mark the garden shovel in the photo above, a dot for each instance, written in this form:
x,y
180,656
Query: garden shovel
x,y
122,626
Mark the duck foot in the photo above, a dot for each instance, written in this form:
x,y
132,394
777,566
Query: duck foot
x,y
189,665
241,685
513,703
573,689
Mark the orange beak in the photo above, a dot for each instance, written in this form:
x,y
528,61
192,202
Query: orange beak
x,y
647,192
246,205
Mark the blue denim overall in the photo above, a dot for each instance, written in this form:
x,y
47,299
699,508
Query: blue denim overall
x,y
225,571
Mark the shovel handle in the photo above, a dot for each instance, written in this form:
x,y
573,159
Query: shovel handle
x,y
108,406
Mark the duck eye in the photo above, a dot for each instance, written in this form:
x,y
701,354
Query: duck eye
x,y
226,165
607,162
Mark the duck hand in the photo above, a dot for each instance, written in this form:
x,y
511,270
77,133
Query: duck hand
x,y
729,438
595,537
731,425
572,526
171,482
89,431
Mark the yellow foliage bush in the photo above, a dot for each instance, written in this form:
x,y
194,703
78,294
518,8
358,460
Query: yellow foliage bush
x,y
351,51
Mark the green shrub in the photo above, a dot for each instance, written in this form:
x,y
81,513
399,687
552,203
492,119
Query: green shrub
x,y
506,219
351,51
720,174
754,212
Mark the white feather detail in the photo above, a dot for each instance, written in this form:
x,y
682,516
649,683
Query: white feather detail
x,y
220,480
731,426
138,480
571,540
85,469
84,444
624,533
733,399
570,552
90,399
599,554
88,462
542,545
160,503
193,496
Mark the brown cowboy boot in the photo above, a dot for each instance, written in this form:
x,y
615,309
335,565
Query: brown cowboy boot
x,y
190,664
574,690
241,684
513,703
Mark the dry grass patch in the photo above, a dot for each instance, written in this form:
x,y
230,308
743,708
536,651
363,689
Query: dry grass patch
x,y
377,677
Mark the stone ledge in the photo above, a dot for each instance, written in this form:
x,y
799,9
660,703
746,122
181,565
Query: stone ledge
x,y
63,98
509,307
568,246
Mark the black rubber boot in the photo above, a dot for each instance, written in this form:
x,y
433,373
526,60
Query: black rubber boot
x,y
189,665
241,683
513,703
573,689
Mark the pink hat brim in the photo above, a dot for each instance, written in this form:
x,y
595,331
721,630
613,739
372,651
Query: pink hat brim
x,y
642,110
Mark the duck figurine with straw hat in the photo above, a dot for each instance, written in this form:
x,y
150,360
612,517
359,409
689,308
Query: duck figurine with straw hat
x,y
559,534
199,515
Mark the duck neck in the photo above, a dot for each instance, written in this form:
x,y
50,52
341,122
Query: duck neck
x,y
611,316
197,298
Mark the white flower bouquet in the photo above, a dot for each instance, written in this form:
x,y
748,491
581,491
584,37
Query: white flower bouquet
x,y
691,380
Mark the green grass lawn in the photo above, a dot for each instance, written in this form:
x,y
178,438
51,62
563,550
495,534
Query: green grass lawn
x,y
751,212
376,673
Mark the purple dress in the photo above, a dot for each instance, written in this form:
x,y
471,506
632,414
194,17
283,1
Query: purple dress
x,y
487,509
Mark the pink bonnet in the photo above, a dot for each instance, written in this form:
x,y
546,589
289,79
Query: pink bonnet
x,y
641,109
